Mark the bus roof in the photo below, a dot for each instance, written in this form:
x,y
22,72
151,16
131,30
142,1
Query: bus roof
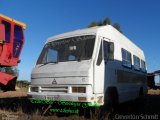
x,y
85,31
12,20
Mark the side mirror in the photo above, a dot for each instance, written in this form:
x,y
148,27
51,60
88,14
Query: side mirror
x,y
111,51
2,33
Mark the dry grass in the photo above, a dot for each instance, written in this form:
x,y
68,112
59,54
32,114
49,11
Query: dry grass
x,y
20,92
26,111
36,116
12,94
154,92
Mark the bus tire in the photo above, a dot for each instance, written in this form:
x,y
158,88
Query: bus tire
x,y
141,93
111,97
111,101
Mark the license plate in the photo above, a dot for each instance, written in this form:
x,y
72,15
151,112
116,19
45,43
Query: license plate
x,y
55,98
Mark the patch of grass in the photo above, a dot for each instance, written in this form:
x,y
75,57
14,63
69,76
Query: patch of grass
x,y
154,92
147,105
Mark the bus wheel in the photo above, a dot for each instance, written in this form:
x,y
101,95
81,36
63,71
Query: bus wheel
x,y
141,92
111,101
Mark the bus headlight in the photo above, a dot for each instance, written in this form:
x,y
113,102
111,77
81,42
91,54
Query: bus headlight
x,y
78,90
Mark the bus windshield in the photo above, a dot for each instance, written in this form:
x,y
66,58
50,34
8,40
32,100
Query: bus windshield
x,y
68,49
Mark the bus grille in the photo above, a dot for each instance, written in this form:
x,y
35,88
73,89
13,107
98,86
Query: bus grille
x,y
56,89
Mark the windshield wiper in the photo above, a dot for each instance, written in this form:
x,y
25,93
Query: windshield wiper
x,y
49,63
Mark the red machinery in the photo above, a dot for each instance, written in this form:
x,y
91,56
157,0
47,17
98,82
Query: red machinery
x,y
11,44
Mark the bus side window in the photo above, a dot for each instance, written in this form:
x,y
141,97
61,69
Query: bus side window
x,y
126,58
136,61
108,48
105,49
143,66
100,55
111,51
7,31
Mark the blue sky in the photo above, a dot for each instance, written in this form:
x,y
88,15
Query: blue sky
x,y
139,20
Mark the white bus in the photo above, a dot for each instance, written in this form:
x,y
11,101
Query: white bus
x,y
93,65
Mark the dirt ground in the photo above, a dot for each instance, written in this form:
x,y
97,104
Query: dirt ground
x,y
12,94
16,104
154,92
18,93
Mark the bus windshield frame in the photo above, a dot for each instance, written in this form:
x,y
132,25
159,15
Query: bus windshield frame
x,y
69,49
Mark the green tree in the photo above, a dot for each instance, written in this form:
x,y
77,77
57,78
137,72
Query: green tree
x,y
100,23
93,24
117,26
107,21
